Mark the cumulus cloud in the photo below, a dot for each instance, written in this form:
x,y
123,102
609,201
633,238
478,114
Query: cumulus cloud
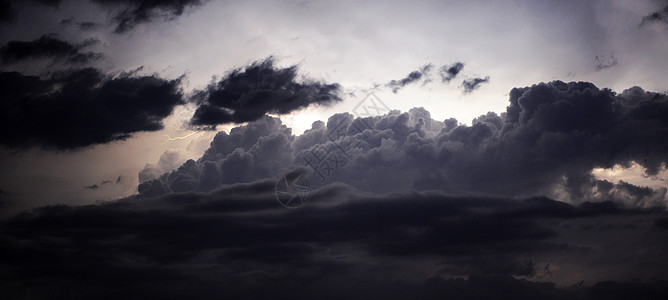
x,y
473,84
449,72
238,241
49,46
79,108
168,161
247,94
412,77
548,141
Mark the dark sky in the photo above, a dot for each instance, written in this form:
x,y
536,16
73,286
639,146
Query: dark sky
x,y
329,150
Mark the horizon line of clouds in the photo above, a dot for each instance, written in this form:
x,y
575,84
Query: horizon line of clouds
x,y
240,227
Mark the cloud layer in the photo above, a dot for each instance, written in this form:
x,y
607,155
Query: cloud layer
x,y
238,241
50,47
548,141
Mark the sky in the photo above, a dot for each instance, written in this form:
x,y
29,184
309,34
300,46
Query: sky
x,y
301,149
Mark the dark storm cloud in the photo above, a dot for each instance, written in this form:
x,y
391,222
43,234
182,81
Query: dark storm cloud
x,y
412,77
6,11
472,84
49,46
247,94
238,241
127,14
84,107
658,16
449,72
548,141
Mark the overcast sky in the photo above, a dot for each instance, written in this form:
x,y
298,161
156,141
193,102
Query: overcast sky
x,y
518,143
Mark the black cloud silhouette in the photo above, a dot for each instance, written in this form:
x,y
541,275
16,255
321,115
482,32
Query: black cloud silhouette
x,y
48,46
248,94
238,241
83,107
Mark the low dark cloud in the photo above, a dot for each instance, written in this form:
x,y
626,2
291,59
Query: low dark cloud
x,y
6,11
449,72
412,77
127,14
548,141
49,46
238,241
658,16
473,84
83,107
248,93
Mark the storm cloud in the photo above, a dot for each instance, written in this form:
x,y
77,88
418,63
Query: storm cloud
x,y
246,94
79,108
548,141
49,46
343,243
127,14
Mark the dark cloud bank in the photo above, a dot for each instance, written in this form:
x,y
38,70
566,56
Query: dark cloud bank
x,y
77,108
417,208
49,47
73,109
125,14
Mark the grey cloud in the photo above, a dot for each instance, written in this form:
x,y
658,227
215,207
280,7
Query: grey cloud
x,y
83,26
247,94
412,77
472,84
449,72
127,14
657,16
601,62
